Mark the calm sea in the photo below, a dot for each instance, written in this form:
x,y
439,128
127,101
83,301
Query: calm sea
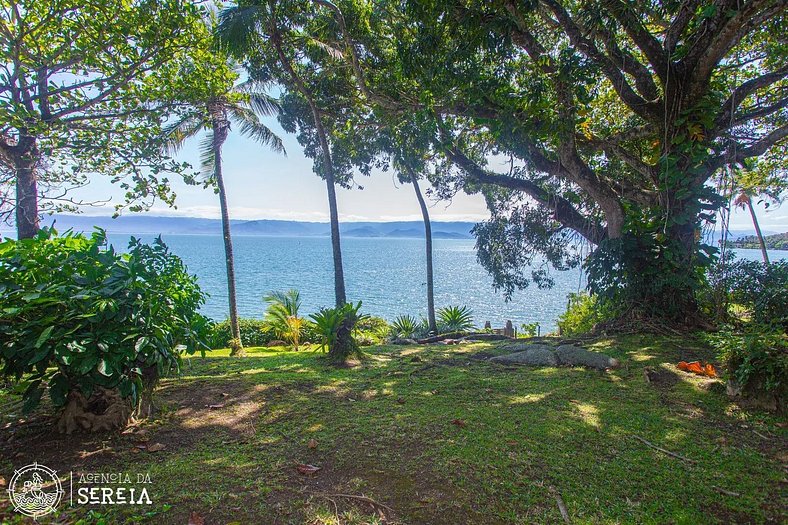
x,y
387,275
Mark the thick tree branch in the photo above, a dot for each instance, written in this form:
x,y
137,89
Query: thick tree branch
x,y
746,89
562,210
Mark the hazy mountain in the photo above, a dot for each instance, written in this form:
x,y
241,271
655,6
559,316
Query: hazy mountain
x,y
149,224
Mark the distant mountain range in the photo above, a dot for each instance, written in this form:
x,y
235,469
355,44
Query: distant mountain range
x,y
148,224
777,241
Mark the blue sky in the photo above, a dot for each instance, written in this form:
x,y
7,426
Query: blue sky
x,y
264,185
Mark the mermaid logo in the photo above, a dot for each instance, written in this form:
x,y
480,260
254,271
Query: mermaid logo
x,y
35,490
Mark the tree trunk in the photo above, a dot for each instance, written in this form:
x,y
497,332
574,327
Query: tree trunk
x,y
758,231
220,131
27,225
428,246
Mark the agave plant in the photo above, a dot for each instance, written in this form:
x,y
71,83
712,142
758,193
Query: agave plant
x,y
404,326
282,318
455,319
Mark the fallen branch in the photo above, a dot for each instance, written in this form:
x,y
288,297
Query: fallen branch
x,y
365,499
562,506
726,492
664,451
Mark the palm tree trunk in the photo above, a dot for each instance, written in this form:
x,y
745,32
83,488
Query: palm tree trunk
x,y
340,296
428,245
220,131
758,231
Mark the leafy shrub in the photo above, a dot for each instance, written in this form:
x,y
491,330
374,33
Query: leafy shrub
x,y
760,288
756,359
404,326
529,329
78,316
282,318
455,319
583,313
253,333
329,324
371,330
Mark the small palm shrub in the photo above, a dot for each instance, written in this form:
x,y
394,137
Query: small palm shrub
x,y
282,318
404,326
760,289
334,331
455,319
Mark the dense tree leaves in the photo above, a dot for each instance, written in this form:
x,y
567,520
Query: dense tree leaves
x,y
82,89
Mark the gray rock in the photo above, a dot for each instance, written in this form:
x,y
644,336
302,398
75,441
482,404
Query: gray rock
x,y
571,355
523,346
537,355
400,341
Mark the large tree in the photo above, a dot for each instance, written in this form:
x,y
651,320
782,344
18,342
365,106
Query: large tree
x,y
80,86
614,116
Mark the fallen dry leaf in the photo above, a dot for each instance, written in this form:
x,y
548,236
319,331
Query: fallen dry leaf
x,y
213,407
459,422
308,470
401,400
312,443
157,447
2,482
135,450
196,519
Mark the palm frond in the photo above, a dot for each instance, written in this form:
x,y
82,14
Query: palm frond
x,y
264,104
250,126
239,28
207,158
175,134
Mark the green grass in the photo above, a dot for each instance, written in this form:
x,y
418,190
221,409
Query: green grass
x,y
388,429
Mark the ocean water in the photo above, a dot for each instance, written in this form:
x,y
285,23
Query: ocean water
x,y
387,275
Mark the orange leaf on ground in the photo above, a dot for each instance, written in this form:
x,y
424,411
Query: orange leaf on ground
x,y
459,422
196,519
157,447
312,443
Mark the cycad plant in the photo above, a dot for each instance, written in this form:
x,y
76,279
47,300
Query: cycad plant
x,y
455,319
241,105
282,317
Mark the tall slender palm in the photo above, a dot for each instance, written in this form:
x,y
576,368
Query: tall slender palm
x,y
744,199
243,107
425,214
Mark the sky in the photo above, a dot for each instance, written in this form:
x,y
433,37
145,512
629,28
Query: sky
x,y
262,184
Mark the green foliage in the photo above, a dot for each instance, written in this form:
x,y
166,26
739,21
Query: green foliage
x,y
404,326
757,358
282,318
102,76
371,330
77,315
253,333
762,289
329,322
454,319
583,313
529,329
648,273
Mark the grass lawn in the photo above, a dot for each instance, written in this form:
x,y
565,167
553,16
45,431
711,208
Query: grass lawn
x,y
430,434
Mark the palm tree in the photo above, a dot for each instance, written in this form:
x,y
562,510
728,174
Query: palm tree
x,y
282,315
428,245
243,107
742,200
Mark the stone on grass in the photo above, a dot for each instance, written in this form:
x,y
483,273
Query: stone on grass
x,y
536,355
571,355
